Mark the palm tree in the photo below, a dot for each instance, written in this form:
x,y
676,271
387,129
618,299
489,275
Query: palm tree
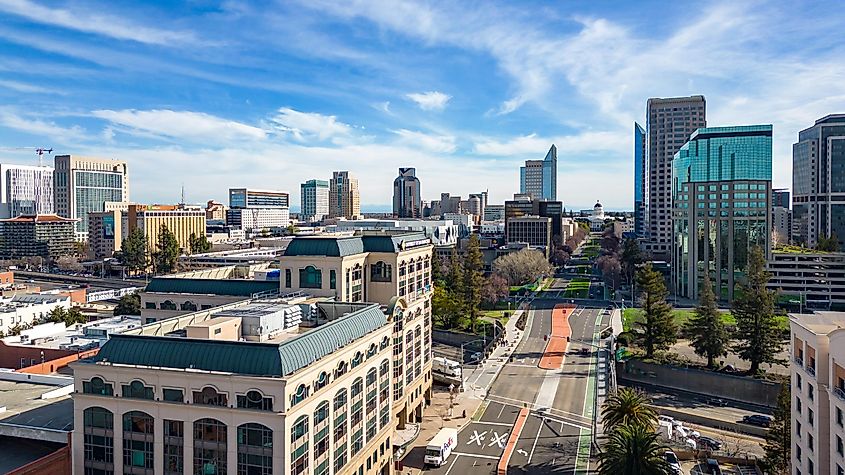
x,y
633,450
626,408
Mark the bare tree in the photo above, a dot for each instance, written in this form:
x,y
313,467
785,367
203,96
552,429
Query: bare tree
x,y
69,264
522,266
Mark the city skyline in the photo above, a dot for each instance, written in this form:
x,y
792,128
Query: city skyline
x,y
367,89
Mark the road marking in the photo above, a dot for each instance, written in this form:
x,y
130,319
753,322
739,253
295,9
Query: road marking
x,y
558,413
498,440
501,411
480,456
477,438
502,467
534,445
454,460
505,424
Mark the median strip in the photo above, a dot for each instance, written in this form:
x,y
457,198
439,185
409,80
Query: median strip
x,y
502,468
556,346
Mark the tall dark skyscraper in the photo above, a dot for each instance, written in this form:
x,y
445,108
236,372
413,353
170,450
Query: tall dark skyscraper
x,y
669,124
818,181
406,194
640,181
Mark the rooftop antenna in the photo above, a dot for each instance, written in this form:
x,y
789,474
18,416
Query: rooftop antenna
x,y
183,194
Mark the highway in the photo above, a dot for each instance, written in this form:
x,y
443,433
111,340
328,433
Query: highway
x,y
556,437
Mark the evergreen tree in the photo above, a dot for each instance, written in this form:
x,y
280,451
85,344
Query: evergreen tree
x,y
133,252
754,310
779,437
57,315
828,243
166,256
198,244
708,335
129,304
455,274
74,315
473,280
657,328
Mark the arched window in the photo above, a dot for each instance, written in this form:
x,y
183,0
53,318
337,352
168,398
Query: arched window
x,y
341,369
372,350
357,387
311,278
371,377
299,446
210,447
300,394
255,449
138,442
381,272
190,306
385,342
137,390
168,305
97,386
98,439
384,368
210,397
322,381
321,435
340,409
357,359
255,400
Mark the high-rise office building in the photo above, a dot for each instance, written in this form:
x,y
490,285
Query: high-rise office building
x,y
25,189
523,205
249,198
780,198
818,181
314,200
669,124
781,217
538,178
344,197
84,184
721,192
406,194
640,181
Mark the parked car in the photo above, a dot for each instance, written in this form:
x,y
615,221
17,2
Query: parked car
x,y
709,443
713,467
673,462
715,401
666,419
757,420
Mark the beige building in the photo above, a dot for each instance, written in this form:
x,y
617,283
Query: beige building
x,y
215,211
344,197
150,219
312,401
376,267
84,184
536,231
817,373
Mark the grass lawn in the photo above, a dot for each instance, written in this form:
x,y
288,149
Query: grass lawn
x,y
682,316
496,315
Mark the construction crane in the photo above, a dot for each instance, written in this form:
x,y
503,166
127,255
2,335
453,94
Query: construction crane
x,y
40,151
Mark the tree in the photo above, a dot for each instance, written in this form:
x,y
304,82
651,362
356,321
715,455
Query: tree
x,y
611,270
495,289
633,450
778,438
165,258
754,310
708,335
631,258
523,266
473,279
828,244
57,315
69,264
446,310
559,256
198,244
292,229
129,304
628,407
657,328
133,251
73,316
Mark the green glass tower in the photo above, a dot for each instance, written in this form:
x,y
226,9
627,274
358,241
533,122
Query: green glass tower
x,y
721,194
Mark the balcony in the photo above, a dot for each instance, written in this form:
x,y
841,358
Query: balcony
x,y
840,393
811,370
799,361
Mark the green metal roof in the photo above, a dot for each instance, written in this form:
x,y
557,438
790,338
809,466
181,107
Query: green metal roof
x,y
244,288
249,358
390,243
322,246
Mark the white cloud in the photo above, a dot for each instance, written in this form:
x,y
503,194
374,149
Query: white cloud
x,y
583,143
430,142
383,106
27,88
179,124
90,22
431,100
38,126
308,125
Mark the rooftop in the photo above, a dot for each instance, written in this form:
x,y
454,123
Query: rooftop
x,y
38,218
819,323
187,285
36,406
78,337
341,246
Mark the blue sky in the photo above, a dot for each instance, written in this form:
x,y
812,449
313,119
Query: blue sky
x,y
269,94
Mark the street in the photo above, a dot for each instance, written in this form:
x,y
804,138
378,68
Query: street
x,y
556,436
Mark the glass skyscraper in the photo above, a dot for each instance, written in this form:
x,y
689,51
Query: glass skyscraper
x,y
640,181
721,194
538,178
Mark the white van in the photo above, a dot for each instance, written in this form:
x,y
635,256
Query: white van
x,y
446,366
440,446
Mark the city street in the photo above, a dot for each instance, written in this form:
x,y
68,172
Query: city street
x,y
556,436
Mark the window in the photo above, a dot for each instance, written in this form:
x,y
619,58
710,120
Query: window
x,y
797,380
311,278
339,458
372,350
210,397
137,390
839,448
839,417
357,359
321,437
300,394
341,369
810,417
255,449
210,447
255,400
98,439
150,305
97,386
174,436
810,442
173,395
381,272
322,381
322,413
168,305
189,306
299,447
340,415
797,405
287,278
810,391
138,441
332,279
357,387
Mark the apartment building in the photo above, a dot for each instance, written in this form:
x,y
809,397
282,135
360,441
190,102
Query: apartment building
x,y
45,235
25,189
169,398
817,376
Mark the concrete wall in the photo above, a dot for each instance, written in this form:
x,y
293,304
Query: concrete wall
x,y
707,383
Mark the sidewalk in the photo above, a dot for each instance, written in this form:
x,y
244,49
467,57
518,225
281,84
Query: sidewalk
x,y
467,401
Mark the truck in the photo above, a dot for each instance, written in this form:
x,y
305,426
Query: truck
x,y
440,446
446,366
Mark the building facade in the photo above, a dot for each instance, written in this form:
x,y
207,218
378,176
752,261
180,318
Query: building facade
x,y
669,124
781,226
494,212
47,236
818,181
376,268
26,190
344,197
406,194
538,178
524,205
84,184
256,219
317,402
105,234
314,200
640,182
721,192
813,280
536,231
215,211
817,376
150,219
251,198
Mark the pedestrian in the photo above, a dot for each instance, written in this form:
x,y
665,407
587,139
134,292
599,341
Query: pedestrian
x,y
464,414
